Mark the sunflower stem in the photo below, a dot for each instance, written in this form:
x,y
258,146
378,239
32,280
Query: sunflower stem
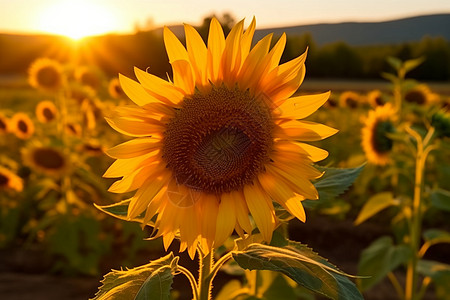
x,y
191,279
416,218
205,278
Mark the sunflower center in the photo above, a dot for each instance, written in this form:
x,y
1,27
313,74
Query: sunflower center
x,y
3,180
219,141
48,158
415,97
381,143
48,77
48,114
2,125
22,126
352,103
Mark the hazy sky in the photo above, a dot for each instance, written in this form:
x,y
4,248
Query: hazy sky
x,y
98,16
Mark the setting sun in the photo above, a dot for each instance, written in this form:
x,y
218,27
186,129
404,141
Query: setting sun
x,y
76,19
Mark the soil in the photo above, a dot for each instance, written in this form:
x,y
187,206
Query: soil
x,y
24,274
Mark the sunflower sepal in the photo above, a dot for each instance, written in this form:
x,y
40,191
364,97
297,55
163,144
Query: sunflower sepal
x,y
154,278
301,264
120,210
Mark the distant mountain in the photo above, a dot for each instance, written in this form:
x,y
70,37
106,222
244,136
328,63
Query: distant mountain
x,y
373,33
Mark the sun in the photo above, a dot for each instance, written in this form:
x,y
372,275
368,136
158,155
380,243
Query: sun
x,y
76,19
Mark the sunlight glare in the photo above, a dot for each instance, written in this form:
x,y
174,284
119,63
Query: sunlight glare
x,y
76,19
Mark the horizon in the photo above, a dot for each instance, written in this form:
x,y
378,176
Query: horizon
x,y
157,27
81,18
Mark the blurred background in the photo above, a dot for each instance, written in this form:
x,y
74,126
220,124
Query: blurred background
x,y
55,244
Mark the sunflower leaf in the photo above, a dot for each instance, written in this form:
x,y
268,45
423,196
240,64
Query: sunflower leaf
x,y
374,205
301,264
154,278
335,181
440,199
380,258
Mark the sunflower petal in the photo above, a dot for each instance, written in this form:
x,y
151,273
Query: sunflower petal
x,y
146,193
216,45
197,53
262,213
226,219
174,48
134,147
303,131
135,127
132,181
135,91
123,167
302,106
182,76
247,38
231,59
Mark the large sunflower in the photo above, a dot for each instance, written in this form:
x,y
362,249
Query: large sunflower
x,y
375,142
220,141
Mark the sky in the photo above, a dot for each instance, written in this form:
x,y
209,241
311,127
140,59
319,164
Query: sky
x,y
90,17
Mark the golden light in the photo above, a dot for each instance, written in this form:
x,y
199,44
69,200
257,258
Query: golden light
x,y
76,19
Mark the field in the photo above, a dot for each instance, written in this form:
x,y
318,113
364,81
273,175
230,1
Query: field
x,y
54,243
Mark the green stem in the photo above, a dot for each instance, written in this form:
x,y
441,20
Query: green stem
x,y
191,279
396,284
205,278
416,217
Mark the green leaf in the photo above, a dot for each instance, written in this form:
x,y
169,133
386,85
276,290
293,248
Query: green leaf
x,y
394,62
335,181
392,78
279,288
301,264
374,205
153,279
439,273
435,236
440,199
412,64
230,289
380,258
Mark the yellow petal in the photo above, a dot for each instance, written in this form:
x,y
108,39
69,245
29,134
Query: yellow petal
x,y
162,90
247,38
182,76
258,204
146,193
299,184
132,181
174,48
122,167
134,147
241,211
135,127
303,131
231,59
226,219
135,91
315,154
209,210
281,193
197,53
302,106
275,53
252,64
216,45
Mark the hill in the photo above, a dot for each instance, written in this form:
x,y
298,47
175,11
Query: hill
x,y
371,33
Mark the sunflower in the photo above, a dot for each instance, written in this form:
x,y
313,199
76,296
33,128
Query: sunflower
x,y
88,77
45,159
375,142
220,141
9,180
375,98
46,74
421,95
349,99
4,124
115,90
46,111
22,126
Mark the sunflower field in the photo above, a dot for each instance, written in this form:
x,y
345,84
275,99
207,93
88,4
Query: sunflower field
x,y
228,165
